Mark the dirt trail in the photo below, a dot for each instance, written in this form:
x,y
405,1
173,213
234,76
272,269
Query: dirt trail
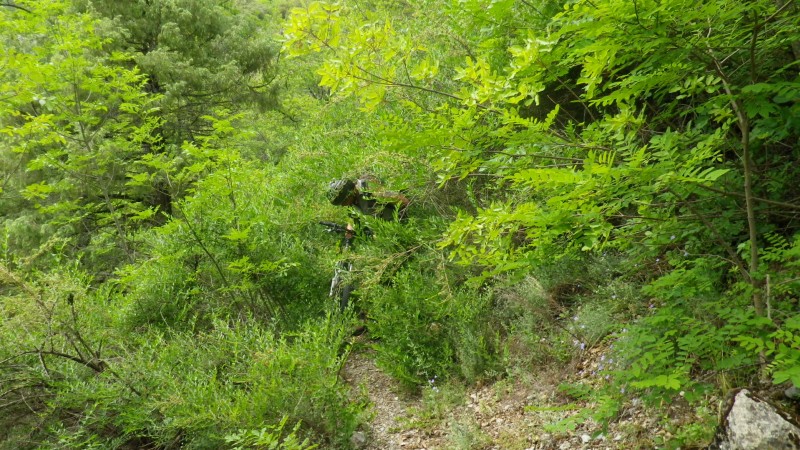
x,y
388,403
502,416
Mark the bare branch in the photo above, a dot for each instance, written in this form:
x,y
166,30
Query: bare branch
x,y
98,366
11,5
757,199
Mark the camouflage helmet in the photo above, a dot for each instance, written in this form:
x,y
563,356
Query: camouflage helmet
x,y
340,190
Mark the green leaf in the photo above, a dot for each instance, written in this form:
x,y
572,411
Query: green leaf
x,y
237,235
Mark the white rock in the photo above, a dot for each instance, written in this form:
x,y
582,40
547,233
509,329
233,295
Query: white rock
x,y
754,424
585,438
358,439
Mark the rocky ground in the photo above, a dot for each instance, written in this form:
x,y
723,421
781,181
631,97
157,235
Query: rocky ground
x,y
505,415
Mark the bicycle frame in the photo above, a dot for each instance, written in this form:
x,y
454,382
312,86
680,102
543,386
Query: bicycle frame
x,y
343,267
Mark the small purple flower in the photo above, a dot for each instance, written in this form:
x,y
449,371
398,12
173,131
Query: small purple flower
x,y
583,346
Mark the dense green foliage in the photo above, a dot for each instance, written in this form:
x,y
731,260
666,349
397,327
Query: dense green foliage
x,y
606,173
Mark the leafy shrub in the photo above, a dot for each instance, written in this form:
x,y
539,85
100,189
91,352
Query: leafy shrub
x,y
782,346
529,321
564,306
424,332
193,390
225,255
465,434
592,322
57,332
239,377
689,340
696,331
409,321
438,401
268,438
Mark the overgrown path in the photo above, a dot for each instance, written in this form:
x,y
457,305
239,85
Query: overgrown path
x,y
388,404
501,416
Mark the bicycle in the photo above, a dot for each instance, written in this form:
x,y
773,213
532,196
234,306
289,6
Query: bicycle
x,y
341,285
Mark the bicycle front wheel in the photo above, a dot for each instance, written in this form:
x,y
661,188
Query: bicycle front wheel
x,y
344,297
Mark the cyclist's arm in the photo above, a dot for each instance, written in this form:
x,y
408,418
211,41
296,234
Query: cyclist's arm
x,y
391,197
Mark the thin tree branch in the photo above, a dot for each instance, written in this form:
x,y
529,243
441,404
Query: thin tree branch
x,y
735,259
97,367
758,199
536,155
530,5
11,5
5,406
203,246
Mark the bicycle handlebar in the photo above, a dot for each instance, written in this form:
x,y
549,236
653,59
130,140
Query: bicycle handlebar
x,y
335,227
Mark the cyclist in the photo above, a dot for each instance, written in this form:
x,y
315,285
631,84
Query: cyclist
x,y
367,195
